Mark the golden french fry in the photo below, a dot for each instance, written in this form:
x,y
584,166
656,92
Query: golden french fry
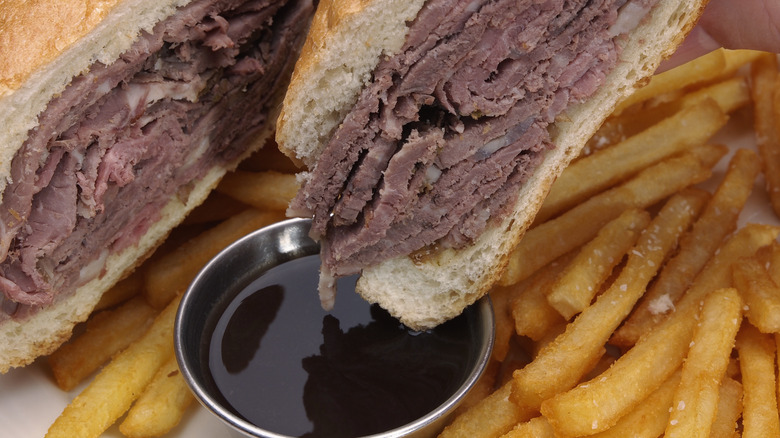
x,y
531,312
649,418
730,94
269,157
536,427
736,59
491,417
689,127
505,327
729,409
582,278
717,272
216,208
119,383
106,333
562,363
598,404
482,388
717,221
770,258
695,401
764,73
269,190
777,348
761,294
172,273
550,240
125,289
757,363
602,365
161,406
700,70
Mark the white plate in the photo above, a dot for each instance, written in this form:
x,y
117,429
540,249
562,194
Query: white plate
x,y
30,401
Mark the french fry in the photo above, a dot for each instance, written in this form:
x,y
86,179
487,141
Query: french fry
x,y
106,333
561,364
119,383
482,388
505,327
695,401
689,127
161,406
269,190
532,313
581,279
598,404
536,427
730,95
729,409
649,418
757,363
761,294
603,364
125,289
216,208
736,59
770,258
171,274
491,417
550,240
777,357
717,272
764,73
269,157
717,221
702,69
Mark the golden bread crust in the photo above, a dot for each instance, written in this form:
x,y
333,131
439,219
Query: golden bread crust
x,y
33,33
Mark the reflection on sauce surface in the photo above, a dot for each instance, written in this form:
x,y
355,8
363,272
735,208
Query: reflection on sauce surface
x,y
289,367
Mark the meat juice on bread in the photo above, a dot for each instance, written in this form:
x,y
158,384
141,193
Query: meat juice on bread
x,y
432,130
117,121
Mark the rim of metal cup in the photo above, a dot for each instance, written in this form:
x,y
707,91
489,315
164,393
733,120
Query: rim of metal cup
x,y
236,267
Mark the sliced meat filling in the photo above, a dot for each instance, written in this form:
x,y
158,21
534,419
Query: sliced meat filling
x,y
123,139
439,143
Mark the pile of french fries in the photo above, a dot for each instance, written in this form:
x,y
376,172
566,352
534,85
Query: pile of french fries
x,y
634,306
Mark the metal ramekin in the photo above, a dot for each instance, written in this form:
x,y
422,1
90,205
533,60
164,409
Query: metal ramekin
x,y
240,264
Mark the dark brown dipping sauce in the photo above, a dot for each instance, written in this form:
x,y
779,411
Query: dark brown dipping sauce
x,y
287,366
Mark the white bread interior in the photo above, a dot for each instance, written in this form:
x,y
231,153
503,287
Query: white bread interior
x,y
344,44
426,292
20,104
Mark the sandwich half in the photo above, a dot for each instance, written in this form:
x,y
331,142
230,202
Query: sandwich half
x,y
118,118
432,130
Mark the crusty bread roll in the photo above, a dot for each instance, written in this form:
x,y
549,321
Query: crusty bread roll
x,y
46,45
423,291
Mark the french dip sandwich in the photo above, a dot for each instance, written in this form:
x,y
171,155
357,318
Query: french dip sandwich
x,y
432,130
118,119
